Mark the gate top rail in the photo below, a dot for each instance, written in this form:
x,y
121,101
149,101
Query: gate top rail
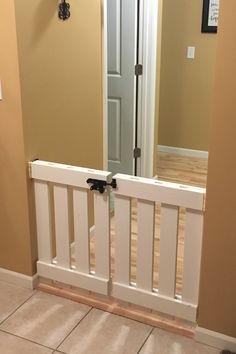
x,y
160,191
65,174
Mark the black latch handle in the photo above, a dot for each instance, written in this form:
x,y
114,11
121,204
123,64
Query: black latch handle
x,y
99,185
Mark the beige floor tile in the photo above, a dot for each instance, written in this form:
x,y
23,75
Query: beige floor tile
x,y
10,344
11,297
45,319
161,342
103,333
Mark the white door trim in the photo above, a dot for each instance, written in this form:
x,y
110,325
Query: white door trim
x,y
147,86
148,46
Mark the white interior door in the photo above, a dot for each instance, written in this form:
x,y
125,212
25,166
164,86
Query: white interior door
x,y
122,49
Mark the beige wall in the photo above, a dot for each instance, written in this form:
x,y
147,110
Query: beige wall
x,y
60,70
185,85
61,87
217,309
61,84
15,252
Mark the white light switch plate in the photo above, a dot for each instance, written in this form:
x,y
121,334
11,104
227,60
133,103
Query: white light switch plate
x,y
190,52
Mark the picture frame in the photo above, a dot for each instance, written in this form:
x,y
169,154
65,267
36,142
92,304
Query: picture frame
x,y
210,15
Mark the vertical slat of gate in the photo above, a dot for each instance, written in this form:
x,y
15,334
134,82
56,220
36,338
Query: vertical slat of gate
x,y
102,234
43,220
81,230
145,216
192,255
168,250
122,239
62,226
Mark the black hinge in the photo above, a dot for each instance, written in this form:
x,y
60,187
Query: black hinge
x,y
99,185
137,152
138,69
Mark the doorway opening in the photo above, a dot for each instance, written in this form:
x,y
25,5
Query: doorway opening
x,y
130,35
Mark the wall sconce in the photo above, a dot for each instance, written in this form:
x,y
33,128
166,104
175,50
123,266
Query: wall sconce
x,y
64,10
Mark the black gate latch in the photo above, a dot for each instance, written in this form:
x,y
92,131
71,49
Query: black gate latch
x,y
99,185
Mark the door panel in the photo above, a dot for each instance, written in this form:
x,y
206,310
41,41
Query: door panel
x,y
122,29
114,129
114,36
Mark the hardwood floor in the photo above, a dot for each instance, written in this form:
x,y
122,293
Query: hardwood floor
x,y
182,169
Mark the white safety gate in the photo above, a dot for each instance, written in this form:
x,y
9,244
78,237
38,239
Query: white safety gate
x,y
77,245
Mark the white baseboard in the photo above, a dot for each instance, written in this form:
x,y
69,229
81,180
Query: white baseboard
x,y
215,339
182,152
23,280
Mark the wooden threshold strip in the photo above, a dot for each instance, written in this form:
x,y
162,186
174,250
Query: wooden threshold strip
x,y
115,307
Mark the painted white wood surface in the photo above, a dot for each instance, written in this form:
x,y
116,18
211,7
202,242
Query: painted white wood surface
x,y
148,36
171,196
62,226
160,191
168,250
81,230
122,208
192,255
155,301
65,174
147,191
25,281
72,277
102,234
145,242
182,152
215,339
43,221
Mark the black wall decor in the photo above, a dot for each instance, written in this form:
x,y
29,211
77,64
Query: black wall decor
x,y
64,10
210,14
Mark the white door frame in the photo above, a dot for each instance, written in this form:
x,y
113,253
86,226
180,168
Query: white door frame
x,y
147,84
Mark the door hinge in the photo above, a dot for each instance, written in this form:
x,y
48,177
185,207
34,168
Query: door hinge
x,y
138,69
137,152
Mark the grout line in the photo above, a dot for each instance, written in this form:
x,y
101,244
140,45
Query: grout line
x,y
26,339
122,316
74,328
18,307
31,341
152,328
146,339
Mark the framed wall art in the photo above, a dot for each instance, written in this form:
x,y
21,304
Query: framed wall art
x,y
210,15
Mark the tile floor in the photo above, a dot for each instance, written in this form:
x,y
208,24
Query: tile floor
x,y
32,322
